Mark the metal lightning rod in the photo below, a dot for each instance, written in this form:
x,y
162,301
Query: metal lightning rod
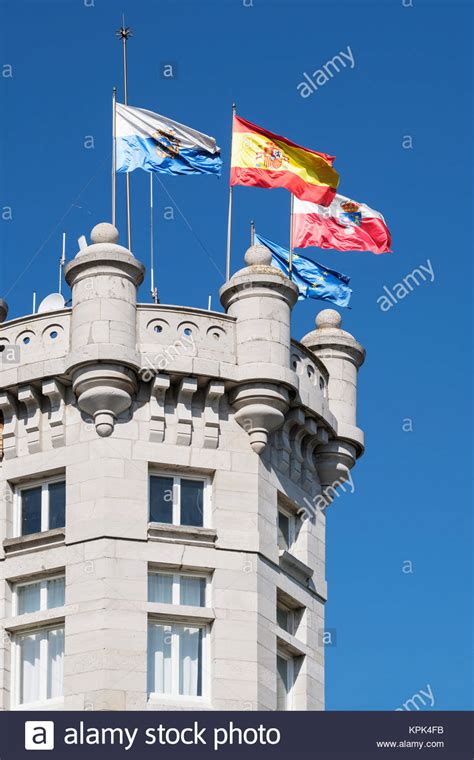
x,y
229,216
62,261
153,289
114,155
124,33
290,262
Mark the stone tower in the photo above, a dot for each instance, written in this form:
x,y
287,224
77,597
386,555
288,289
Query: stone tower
x,y
161,480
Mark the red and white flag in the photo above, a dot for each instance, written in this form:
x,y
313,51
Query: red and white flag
x,y
344,225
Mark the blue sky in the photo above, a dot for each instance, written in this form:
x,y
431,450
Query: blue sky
x,y
397,632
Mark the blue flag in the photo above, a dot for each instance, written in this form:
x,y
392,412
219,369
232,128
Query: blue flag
x,y
154,143
313,280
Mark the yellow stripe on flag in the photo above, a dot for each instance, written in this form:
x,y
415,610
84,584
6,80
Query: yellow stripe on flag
x,y
253,151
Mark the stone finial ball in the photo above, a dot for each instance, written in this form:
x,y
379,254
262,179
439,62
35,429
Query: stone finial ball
x,y
258,255
104,233
328,318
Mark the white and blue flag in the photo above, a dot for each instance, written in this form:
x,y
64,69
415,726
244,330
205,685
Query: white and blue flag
x,y
146,140
312,279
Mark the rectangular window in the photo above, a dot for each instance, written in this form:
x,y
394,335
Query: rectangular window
x,y
285,619
57,505
177,588
55,592
41,507
39,595
38,666
177,500
192,502
161,499
285,681
289,613
30,510
192,591
285,531
28,598
288,526
160,588
175,659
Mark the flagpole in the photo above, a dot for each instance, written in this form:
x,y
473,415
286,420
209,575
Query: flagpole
x,y
124,33
229,217
114,155
62,261
290,261
252,232
153,290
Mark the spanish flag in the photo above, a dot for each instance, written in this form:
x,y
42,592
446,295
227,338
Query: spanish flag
x,y
263,159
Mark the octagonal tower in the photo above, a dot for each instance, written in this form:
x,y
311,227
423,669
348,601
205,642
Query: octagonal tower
x,y
160,543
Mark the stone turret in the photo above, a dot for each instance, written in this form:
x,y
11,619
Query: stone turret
x,y
261,298
103,362
342,355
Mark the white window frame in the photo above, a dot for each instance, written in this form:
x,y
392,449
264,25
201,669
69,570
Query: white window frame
x,y
43,582
44,485
16,668
291,526
174,695
291,677
176,589
176,513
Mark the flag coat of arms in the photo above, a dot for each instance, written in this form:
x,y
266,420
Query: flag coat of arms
x,y
312,279
263,159
146,140
344,225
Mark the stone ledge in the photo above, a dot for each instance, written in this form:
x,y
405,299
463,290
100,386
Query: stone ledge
x,y
180,613
175,308
30,621
291,644
34,541
320,587
49,705
181,534
173,704
295,567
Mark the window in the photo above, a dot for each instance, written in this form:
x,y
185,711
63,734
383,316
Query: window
x,y
289,613
38,595
286,530
38,666
41,507
172,588
285,681
175,659
177,501
286,619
